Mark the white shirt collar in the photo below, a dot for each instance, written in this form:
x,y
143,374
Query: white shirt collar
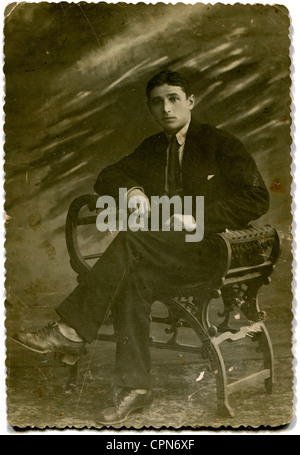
x,y
181,135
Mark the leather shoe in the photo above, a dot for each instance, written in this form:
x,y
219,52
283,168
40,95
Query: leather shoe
x,y
50,339
126,401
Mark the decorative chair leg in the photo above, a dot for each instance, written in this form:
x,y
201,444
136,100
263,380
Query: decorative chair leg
x,y
224,408
267,350
265,343
218,368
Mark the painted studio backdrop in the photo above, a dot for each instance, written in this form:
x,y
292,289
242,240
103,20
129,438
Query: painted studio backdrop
x,y
75,77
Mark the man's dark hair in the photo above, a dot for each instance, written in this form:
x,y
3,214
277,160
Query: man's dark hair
x,y
170,78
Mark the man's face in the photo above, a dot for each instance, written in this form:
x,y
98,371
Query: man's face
x,y
170,107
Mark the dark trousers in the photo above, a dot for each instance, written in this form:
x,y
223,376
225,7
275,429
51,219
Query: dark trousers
x,y
135,267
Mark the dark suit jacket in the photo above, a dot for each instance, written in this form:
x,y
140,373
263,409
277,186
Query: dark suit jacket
x,y
235,195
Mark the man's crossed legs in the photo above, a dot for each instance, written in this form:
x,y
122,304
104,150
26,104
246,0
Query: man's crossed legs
x,y
134,268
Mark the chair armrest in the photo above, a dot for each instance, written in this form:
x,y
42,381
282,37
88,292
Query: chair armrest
x,y
250,249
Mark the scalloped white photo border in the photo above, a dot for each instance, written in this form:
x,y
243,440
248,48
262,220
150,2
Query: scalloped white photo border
x,y
294,428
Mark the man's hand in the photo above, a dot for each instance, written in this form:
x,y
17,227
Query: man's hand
x,y
179,222
138,200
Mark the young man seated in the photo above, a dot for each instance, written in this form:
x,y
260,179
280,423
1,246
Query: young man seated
x,y
185,159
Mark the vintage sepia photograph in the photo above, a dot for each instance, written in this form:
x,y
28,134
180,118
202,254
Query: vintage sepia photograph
x,y
148,216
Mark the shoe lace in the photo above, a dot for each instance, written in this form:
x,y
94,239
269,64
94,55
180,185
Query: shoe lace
x,y
122,399
45,330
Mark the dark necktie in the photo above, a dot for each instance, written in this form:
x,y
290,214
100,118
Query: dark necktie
x,y
174,181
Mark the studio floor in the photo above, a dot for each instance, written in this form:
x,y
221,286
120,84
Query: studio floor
x,y
184,385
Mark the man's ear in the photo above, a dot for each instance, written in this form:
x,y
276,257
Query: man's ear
x,y
192,101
